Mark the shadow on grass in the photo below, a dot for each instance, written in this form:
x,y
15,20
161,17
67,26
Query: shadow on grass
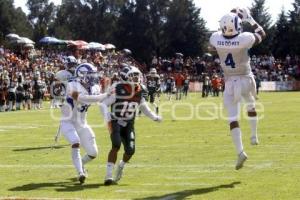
x,y
64,186
186,193
41,148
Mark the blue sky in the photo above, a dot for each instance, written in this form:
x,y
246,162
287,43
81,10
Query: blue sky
x,y
212,13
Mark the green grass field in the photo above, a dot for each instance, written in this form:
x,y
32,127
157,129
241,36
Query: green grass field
x,y
177,159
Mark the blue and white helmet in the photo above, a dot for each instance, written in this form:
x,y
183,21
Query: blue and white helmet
x,y
70,63
87,74
230,24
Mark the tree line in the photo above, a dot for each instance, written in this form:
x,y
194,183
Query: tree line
x,y
147,27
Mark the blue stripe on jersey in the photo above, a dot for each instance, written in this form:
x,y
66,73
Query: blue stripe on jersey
x,y
236,22
72,79
70,101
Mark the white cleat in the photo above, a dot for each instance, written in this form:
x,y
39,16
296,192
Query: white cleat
x,y
242,157
254,140
119,172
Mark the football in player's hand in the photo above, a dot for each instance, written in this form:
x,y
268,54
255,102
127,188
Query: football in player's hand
x,y
243,13
238,11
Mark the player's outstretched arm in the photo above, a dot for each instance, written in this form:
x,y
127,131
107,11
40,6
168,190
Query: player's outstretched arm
x,y
245,16
88,99
147,111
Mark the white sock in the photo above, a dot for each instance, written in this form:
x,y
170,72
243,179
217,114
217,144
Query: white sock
x,y
109,169
253,126
76,157
52,103
86,159
237,139
122,164
10,105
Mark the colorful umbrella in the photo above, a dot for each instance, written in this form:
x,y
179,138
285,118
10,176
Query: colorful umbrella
x,y
109,46
24,40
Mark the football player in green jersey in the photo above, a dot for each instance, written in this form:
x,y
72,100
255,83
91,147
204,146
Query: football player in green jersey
x,y
128,96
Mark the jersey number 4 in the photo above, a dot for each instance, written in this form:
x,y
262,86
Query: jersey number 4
x,y
229,61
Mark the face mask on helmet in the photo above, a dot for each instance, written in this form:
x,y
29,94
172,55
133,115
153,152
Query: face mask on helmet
x,y
230,24
130,74
135,77
87,74
71,63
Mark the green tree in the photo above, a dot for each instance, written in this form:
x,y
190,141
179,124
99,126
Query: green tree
x,y
42,14
280,45
134,31
184,30
294,28
263,18
13,20
90,20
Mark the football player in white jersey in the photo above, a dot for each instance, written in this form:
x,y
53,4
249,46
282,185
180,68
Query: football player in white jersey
x,y
58,88
81,92
232,46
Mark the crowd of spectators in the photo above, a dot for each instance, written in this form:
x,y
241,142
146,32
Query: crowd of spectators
x,y
266,68
26,76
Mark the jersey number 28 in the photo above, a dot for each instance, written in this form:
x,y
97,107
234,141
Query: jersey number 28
x,y
229,61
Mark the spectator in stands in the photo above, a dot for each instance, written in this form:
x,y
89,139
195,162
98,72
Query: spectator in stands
x,y
20,93
186,84
258,83
179,79
216,85
205,86
12,94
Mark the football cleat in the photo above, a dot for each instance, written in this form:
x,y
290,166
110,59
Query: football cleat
x,y
119,172
242,157
254,140
81,178
108,181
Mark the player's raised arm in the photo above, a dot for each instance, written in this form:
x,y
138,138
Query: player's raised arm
x,y
245,16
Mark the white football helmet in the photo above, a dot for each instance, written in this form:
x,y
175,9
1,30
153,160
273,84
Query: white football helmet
x,y
230,24
70,63
87,74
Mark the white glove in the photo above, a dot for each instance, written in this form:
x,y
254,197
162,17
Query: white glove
x,y
158,119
